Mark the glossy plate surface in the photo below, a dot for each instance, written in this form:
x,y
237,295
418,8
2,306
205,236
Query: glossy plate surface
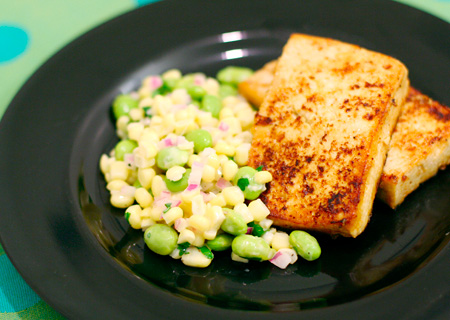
x,y
78,252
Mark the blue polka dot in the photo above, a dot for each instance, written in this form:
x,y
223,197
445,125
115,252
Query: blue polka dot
x,y
13,42
15,294
140,3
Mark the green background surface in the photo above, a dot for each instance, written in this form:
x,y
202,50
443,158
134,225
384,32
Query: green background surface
x,y
31,31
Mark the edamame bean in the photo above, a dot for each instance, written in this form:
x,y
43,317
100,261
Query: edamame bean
x,y
171,156
233,75
196,92
245,180
251,247
123,147
220,243
201,138
211,104
305,245
234,223
161,239
225,90
122,105
185,82
180,185
170,83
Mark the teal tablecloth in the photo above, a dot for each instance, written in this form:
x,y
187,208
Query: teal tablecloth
x,y
30,32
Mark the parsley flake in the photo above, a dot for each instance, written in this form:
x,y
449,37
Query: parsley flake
x,y
168,206
242,183
182,247
259,168
127,215
206,252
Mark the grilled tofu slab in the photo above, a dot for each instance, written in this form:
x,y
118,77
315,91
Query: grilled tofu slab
x,y
420,145
420,142
323,131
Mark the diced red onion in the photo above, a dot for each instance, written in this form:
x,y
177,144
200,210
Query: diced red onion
x,y
177,107
166,142
281,260
128,158
222,184
223,126
191,187
155,82
196,174
199,79
207,197
249,230
134,95
163,198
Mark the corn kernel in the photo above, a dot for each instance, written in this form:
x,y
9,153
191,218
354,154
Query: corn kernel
x,y
258,210
172,74
118,171
199,240
241,156
186,235
222,147
181,224
266,223
105,161
172,215
215,215
218,200
147,222
209,173
280,240
226,113
145,177
148,148
133,215
146,213
211,86
263,177
122,123
175,173
156,213
136,114
246,118
158,185
193,158
146,101
180,96
194,258
233,124
143,197
116,185
244,211
213,161
198,205
229,170
200,223
233,195
119,200
210,234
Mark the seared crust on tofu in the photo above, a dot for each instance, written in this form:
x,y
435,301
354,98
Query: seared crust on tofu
x,y
255,88
420,145
323,132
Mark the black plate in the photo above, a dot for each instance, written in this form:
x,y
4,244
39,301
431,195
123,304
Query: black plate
x,y
79,254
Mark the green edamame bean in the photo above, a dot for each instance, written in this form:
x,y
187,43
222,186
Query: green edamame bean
x,y
211,104
180,185
225,90
122,105
123,147
161,239
234,223
220,243
305,245
185,82
170,83
201,138
233,75
171,156
251,247
196,92
245,180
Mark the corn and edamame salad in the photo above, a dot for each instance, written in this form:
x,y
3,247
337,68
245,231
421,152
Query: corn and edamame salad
x,y
180,172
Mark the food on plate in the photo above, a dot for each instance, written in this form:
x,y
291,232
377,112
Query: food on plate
x,y
323,131
181,174
420,145
420,142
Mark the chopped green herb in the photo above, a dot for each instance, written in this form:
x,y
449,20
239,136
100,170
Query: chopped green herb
x,y
182,247
127,215
258,231
206,252
168,206
259,168
242,183
147,111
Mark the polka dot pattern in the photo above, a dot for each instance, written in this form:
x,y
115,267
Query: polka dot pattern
x,y
13,42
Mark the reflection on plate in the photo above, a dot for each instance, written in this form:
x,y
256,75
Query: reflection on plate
x,y
80,255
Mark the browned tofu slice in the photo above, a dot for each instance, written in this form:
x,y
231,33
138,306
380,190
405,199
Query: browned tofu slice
x,y
323,131
420,145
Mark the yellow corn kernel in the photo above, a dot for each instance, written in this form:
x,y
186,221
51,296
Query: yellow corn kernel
x,y
172,74
144,92
210,234
193,158
161,105
246,118
218,200
121,201
233,124
213,161
268,235
135,129
186,235
158,185
263,177
145,177
183,114
211,86
181,224
180,96
244,211
132,177
146,213
199,240
222,147
147,222
146,101
230,101
156,213
198,205
209,173
136,114
118,171
116,185
133,215
175,173
233,195
143,197
226,113
241,156
172,215
258,210
200,223
122,123
205,119
148,149
105,161
280,240
148,136
215,215
194,258
229,170
266,223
